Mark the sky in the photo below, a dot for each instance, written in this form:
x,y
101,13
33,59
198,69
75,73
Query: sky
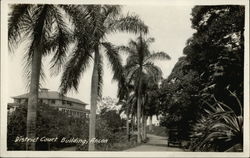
x,y
169,25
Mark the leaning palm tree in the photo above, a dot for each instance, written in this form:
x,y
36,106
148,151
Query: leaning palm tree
x,y
44,27
140,62
103,19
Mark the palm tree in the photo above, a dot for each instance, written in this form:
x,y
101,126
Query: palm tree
x,y
45,28
139,62
126,100
103,19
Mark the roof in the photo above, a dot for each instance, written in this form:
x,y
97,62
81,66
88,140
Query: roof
x,y
51,95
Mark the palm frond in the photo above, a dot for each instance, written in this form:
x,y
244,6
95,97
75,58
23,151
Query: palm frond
x,y
110,12
130,72
81,20
133,45
74,69
158,56
96,19
114,59
60,43
142,49
133,60
27,61
153,71
126,49
38,35
129,23
49,20
131,64
17,19
150,40
77,13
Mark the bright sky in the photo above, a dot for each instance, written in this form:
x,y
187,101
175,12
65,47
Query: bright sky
x,y
169,25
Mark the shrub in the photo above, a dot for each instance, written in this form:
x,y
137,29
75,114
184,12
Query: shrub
x,y
220,130
50,123
158,130
109,127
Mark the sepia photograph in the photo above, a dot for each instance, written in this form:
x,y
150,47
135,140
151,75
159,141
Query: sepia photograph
x,y
148,78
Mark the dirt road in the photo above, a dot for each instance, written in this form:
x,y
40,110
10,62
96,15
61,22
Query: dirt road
x,y
155,143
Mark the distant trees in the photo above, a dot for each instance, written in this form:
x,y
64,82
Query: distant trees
x,y
209,75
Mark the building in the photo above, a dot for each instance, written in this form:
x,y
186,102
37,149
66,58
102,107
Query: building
x,y
71,106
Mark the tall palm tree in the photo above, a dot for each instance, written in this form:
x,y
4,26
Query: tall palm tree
x,y
45,28
139,62
103,19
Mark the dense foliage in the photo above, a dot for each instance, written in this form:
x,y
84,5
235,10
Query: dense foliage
x,y
179,101
219,129
51,123
111,126
210,73
113,119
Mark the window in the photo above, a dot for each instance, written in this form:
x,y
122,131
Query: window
x,y
53,101
63,102
69,103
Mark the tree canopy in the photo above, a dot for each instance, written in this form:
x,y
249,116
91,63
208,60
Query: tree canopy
x,y
210,74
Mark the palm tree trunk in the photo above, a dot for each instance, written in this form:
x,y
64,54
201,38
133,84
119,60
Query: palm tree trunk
x,y
33,98
139,117
144,122
127,125
93,102
145,128
142,126
150,123
139,102
132,124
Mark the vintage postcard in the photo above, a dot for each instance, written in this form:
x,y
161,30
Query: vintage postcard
x,y
123,78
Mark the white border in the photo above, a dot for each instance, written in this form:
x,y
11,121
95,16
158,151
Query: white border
x,y
4,83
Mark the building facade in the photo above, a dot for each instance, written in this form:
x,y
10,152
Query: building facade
x,y
71,106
